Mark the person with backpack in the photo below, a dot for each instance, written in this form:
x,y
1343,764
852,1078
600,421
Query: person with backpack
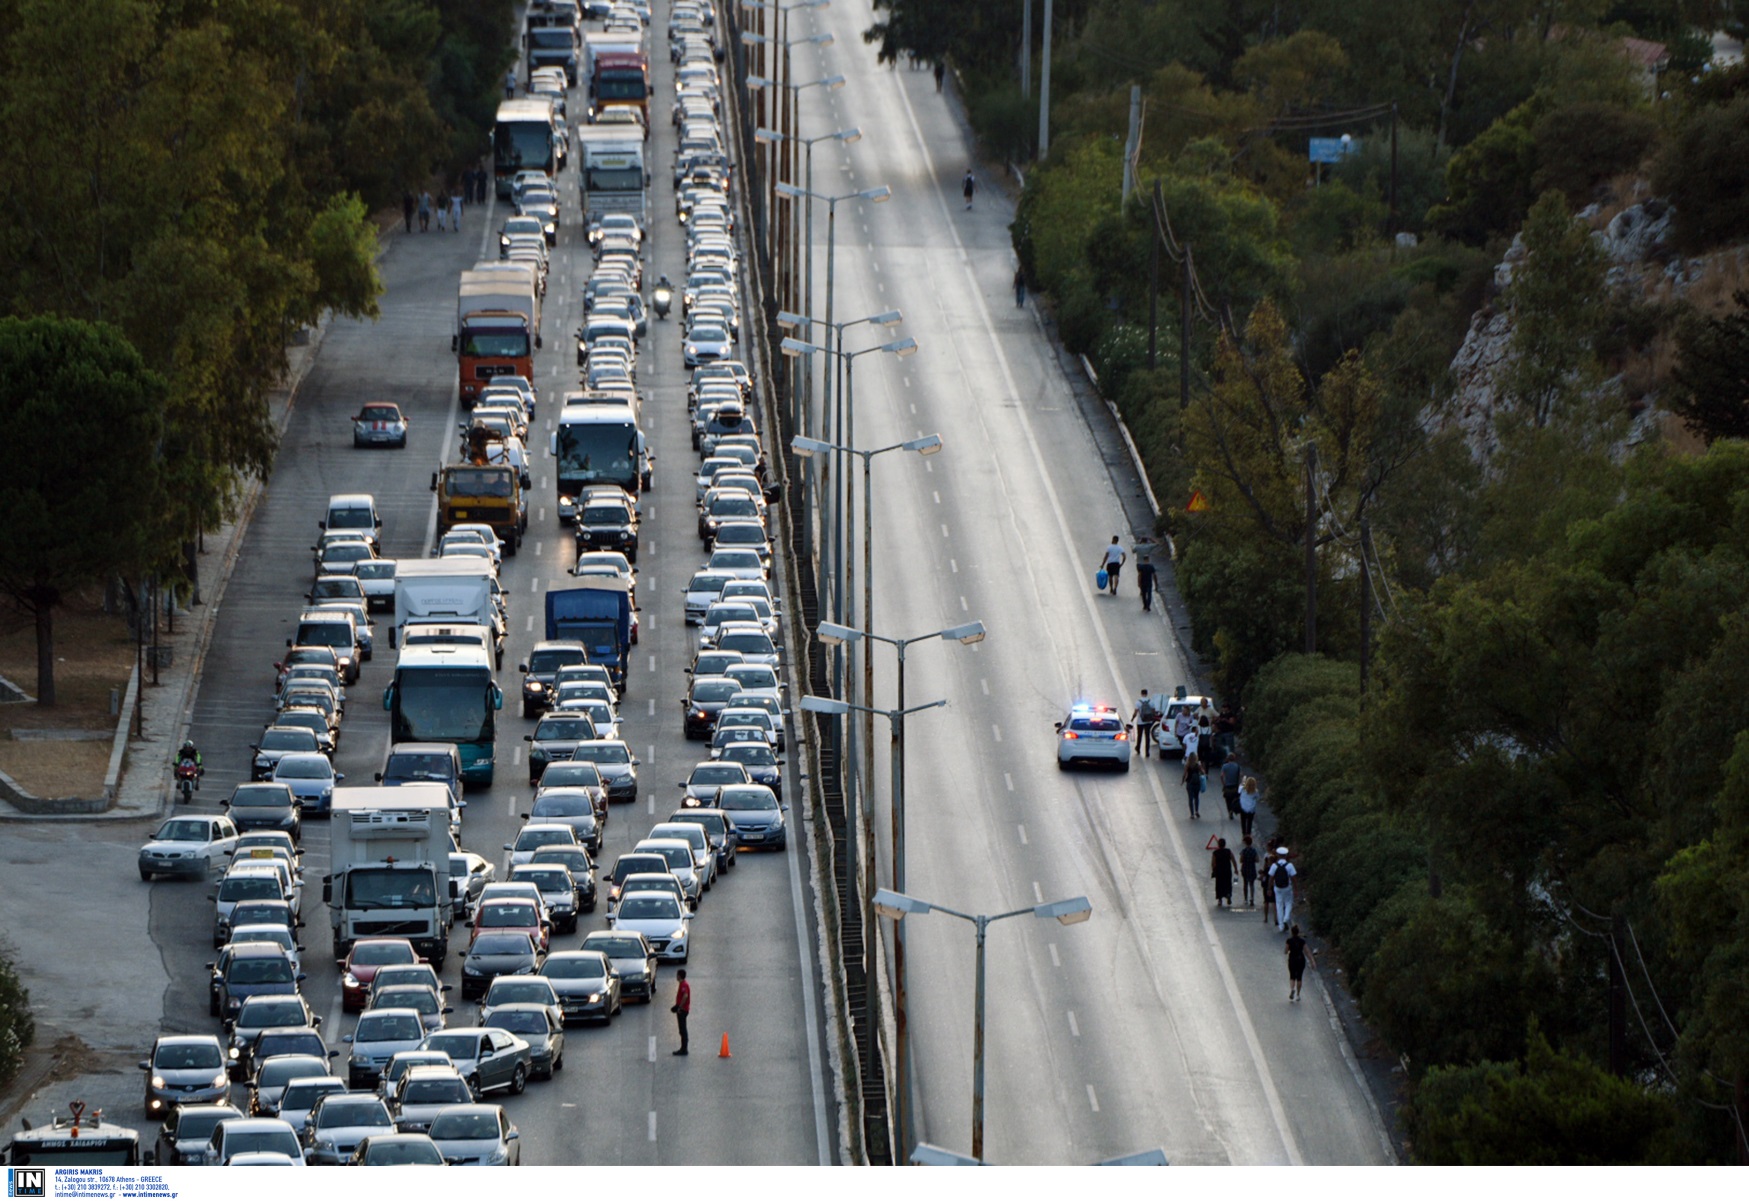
x,y
1193,785
1221,868
1281,882
1248,871
1297,953
1146,716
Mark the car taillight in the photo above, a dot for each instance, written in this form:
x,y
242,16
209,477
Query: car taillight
x,y
1070,734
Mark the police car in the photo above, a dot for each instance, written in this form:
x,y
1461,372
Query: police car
x,y
1093,734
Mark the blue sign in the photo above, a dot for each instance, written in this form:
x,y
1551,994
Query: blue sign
x,y
1330,150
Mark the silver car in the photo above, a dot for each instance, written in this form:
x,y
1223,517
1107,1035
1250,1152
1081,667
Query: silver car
x,y
339,1122
471,1135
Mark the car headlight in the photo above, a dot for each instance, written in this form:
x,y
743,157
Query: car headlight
x,y
499,1156
236,1052
222,1080
679,935
234,1004
594,997
361,1061
349,980
534,686
157,1082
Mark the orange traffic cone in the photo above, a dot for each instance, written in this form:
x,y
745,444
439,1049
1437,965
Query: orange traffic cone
x,y
724,1053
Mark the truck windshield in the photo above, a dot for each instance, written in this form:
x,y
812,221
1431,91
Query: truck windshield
x,y
390,888
493,481
495,344
620,85
614,179
552,38
443,704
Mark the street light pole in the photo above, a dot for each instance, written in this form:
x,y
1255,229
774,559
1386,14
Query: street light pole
x,y
897,905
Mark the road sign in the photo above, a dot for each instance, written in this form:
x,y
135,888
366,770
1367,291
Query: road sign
x,y
1330,150
1198,502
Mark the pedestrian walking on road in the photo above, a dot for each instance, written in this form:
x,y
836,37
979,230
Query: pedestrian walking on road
x,y
1205,729
1230,785
510,84
968,186
455,210
1182,725
1193,784
1145,573
1020,287
1112,561
1226,729
1145,716
409,203
480,177
1297,954
424,210
1281,883
1247,805
682,1006
1221,868
1248,871
1192,743
940,74
442,210
1268,891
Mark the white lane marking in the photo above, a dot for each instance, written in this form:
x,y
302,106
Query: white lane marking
x,y
529,624
538,545
937,496
534,586
510,805
540,514
653,1122
449,423
996,731
1008,780
652,804
1074,1026
1236,1000
515,756
652,1048
963,606
955,564
944,529
984,683
1056,961
1093,1098
1038,894
652,662
1022,828
652,706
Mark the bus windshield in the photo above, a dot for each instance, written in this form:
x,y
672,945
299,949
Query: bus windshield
x,y
443,704
523,146
605,453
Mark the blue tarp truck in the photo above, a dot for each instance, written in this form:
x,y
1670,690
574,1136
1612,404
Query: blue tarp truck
x,y
600,617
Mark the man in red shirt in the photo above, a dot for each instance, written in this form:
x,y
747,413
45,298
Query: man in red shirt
x,y
682,1006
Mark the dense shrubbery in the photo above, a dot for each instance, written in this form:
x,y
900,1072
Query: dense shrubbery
x,y
17,1027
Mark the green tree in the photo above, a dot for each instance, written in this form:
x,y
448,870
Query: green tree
x,y
17,1026
1705,172
76,518
1579,146
1712,372
1488,182
1556,294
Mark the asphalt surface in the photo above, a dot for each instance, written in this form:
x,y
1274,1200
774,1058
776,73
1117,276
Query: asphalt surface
x,y
1160,1022
622,1097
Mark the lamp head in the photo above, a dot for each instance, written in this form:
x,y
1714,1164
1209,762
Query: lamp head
x,y
790,320
826,705
1071,912
929,444
878,195
897,905
832,82
848,136
968,634
904,347
795,346
767,135
807,448
833,634
819,39
790,190
758,81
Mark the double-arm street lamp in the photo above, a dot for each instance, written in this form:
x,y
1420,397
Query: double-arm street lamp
x,y
785,178
968,634
896,905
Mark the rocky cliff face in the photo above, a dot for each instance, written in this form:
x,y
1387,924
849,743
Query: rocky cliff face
x,y
1636,244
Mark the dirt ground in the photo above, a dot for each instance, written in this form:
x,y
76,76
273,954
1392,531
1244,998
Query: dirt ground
x,y
93,654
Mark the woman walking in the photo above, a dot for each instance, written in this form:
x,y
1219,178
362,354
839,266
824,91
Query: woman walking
x,y
1248,871
1222,870
1193,784
1247,805
1297,954
455,210
442,209
424,209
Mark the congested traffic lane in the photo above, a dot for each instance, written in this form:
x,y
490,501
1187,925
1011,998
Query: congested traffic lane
x,y
617,1100
1158,1023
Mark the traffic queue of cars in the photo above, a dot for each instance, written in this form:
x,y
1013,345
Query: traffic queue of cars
x,y
410,1083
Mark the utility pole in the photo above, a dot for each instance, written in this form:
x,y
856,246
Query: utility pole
x,y
1044,89
1025,48
1618,1017
1184,331
1132,144
1311,548
1154,282
1365,601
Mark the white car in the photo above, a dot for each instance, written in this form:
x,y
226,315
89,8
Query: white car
x,y
750,638
377,578
702,591
660,917
706,343
188,846
1093,734
740,563
1165,739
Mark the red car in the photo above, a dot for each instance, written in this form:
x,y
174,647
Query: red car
x,y
362,962
508,913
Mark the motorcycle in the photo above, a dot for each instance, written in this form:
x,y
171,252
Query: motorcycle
x,y
662,300
187,779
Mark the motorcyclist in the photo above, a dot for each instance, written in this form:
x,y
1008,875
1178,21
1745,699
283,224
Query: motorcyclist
x,y
663,296
188,754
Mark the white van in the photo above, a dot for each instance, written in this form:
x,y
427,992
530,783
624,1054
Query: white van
x,y
355,512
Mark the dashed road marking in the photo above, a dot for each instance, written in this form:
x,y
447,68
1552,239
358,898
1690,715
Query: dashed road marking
x,y
1074,1026
1092,1099
1022,829
1056,960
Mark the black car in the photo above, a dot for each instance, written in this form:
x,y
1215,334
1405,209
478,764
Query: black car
x,y
266,806
608,525
582,869
495,953
187,1129
708,696
248,969
260,1013
543,662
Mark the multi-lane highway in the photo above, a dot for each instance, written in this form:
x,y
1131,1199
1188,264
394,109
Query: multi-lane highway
x,y
622,1097
1160,1022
